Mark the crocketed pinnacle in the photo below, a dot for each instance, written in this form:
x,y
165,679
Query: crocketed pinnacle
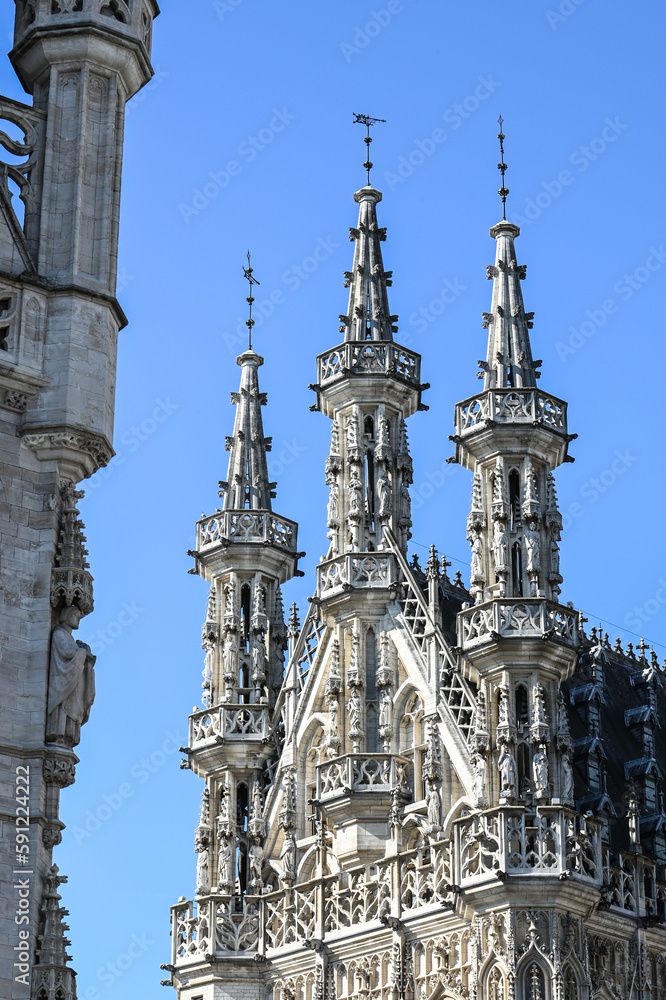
x,y
368,316
247,485
509,362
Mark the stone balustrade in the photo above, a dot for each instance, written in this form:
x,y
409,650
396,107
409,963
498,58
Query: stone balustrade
x,y
372,357
362,772
356,569
511,406
530,618
228,723
260,526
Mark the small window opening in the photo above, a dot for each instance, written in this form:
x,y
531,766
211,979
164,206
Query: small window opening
x,y
245,616
514,500
517,570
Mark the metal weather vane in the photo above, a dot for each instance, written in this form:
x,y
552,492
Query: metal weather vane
x,y
503,191
367,121
249,323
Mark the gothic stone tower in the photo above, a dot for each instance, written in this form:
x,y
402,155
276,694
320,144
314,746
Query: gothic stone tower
x,y
81,61
441,808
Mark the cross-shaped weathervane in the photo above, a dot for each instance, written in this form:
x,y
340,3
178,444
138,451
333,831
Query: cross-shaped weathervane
x,y
367,121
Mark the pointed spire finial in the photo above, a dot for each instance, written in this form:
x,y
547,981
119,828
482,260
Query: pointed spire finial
x,y
503,191
367,121
249,323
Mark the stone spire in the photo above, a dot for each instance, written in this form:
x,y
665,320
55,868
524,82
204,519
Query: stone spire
x,y
247,484
509,362
368,316
368,392
52,978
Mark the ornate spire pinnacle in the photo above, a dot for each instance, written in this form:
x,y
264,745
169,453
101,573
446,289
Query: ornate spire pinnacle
x,y
249,323
367,121
52,976
368,316
509,362
503,191
71,583
247,484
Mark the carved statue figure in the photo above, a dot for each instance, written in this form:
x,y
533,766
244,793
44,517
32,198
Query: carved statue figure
x,y
567,779
355,497
500,547
230,595
433,808
288,856
255,860
257,807
352,431
507,770
224,863
480,779
71,681
540,772
503,713
333,504
258,659
384,495
385,710
354,710
532,551
477,551
554,553
405,504
230,657
383,433
202,870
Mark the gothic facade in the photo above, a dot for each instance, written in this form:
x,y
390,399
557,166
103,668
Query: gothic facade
x,y
81,61
428,788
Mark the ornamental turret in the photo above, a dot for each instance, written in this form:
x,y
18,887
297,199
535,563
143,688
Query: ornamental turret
x,y
245,551
368,385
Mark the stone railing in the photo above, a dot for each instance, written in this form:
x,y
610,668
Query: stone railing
x,y
260,526
356,569
634,886
369,357
527,618
511,406
209,926
362,772
548,841
229,723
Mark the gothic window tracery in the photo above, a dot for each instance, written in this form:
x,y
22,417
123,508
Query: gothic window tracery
x,y
534,982
496,988
571,990
514,500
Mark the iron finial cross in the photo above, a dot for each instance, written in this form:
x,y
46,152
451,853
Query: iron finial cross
x,y
367,121
503,191
249,323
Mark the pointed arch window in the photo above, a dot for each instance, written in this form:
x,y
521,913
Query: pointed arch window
x,y
534,983
517,570
370,488
571,990
514,500
496,984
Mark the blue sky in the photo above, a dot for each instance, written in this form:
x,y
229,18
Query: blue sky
x,y
244,139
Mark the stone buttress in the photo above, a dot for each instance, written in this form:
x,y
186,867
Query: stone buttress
x,y
81,61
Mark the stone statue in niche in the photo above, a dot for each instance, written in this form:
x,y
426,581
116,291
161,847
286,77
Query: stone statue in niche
x,y
352,432
532,551
384,496
567,779
258,660
354,710
71,681
405,504
433,808
202,870
385,711
540,773
333,504
507,770
477,551
480,780
230,658
500,547
255,858
288,856
355,497
224,864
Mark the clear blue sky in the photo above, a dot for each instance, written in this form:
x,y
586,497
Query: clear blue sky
x,y
270,89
